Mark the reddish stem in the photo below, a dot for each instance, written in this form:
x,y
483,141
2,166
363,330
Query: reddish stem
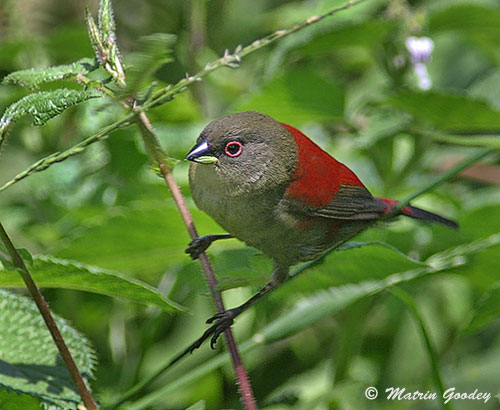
x,y
153,146
43,307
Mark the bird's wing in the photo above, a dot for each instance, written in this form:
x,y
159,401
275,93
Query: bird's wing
x,y
349,202
323,187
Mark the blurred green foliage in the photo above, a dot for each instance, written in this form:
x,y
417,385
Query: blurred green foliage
x,y
350,84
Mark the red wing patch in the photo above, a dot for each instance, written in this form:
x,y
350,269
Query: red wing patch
x,y
318,175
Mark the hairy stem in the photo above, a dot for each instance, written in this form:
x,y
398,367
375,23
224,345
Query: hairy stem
x,y
158,155
43,307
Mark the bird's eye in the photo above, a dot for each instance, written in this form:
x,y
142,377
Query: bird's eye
x,y
233,149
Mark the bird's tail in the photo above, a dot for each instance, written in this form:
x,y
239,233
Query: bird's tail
x,y
418,213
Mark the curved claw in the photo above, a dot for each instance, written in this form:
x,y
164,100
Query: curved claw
x,y
197,246
215,317
223,321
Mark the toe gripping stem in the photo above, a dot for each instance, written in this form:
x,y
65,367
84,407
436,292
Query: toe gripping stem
x,y
199,245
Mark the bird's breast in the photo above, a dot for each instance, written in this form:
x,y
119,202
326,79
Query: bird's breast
x,y
251,216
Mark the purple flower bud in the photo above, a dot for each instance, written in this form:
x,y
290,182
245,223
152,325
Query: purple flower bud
x,y
420,48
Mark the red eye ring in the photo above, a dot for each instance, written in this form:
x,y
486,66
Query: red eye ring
x,y
233,149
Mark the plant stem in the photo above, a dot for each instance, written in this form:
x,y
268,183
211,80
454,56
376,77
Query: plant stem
x,y
433,357
43,307
158,155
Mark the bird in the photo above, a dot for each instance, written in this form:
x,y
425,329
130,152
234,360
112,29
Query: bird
x,y
270,186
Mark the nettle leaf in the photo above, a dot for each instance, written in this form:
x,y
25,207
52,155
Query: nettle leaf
x,y
43,106
11,400
29,361
449,112
32,78
50,272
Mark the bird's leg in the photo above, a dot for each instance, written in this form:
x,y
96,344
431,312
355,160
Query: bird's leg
x,y
224,320
199,245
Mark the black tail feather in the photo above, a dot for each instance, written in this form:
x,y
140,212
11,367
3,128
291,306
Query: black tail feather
x,y
418,213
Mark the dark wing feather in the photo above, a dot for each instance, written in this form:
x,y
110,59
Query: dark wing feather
x,y
351,202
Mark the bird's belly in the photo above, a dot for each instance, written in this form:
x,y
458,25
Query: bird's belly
x,y
278,235
251,221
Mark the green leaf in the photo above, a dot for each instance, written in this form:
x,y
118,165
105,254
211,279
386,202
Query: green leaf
x,y
487,88
26,255
297,97
492,141
465,17
147,239
32,78
364,34
50,272
487,311
43,106
357,263
30,361
155,52
408,300
201,405
303,314
314,308
326,302
454,113
475,260
7,264
11,400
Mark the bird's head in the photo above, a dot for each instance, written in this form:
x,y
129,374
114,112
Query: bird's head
x,y
244,149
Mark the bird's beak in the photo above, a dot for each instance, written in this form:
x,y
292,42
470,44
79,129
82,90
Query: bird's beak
x,y
201,153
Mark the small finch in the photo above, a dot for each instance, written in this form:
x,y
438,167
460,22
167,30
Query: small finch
x,y
270,186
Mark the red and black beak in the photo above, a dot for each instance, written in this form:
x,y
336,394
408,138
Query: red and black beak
x,y
201,153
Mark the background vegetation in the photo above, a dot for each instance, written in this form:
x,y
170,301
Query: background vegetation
x,y
323,338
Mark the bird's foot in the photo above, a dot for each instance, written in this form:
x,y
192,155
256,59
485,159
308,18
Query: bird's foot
x,y
199,245
223,321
